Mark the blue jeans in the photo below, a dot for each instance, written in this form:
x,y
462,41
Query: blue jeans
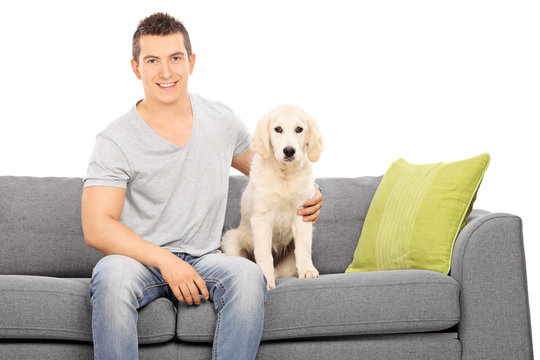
x,y
120,285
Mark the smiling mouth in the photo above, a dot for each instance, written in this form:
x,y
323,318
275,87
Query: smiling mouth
x,y
167,85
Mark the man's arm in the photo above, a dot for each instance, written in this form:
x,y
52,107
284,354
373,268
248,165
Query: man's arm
x,y
312,208
100,213
242,162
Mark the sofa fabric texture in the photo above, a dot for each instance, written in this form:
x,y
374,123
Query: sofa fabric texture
x,y
307,308
479,311
40,228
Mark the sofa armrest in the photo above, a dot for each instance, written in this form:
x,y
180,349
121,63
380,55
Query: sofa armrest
x,y
488,262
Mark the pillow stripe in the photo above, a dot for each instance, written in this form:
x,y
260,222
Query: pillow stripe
x,y
394,241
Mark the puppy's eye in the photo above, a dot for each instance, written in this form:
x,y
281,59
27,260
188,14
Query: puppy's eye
x,y
298,130
278,129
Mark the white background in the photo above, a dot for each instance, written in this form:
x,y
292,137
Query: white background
x,y
428,81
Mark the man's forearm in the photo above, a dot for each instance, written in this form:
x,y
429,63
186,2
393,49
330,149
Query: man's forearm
x,y
110,237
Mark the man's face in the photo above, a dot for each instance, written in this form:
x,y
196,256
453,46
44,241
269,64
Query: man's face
x,y
164,67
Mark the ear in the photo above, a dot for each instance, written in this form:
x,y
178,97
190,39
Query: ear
x,y
135,68
315,141
260,142
191,63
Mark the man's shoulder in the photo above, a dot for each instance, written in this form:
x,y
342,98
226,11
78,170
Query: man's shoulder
x,y
118,128
212,107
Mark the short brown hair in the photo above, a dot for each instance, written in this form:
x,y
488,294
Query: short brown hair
x,y
158,24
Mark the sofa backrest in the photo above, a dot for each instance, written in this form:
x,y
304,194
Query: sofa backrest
x,y
40,227
41,232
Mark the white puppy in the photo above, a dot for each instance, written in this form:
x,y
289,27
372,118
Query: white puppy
x,y
281,181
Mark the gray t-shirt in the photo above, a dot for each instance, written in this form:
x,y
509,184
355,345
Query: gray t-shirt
x,y
175,196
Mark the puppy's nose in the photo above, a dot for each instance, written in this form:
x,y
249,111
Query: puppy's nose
x,y
289,151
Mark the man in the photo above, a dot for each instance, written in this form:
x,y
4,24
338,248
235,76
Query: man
x,y
154,200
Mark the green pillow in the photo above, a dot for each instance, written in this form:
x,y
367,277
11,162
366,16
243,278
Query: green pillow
x,y
416,215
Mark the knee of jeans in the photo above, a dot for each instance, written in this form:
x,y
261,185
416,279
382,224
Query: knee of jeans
x,y
115,273
250,279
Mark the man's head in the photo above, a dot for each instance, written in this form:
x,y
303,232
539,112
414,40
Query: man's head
x,y
162,59
158,24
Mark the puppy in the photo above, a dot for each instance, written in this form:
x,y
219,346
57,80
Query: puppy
x,y
285,142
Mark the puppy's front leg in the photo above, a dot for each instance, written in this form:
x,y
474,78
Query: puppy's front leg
x,y
261,229
303,233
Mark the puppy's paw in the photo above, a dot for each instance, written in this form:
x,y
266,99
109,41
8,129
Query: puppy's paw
x,y
270,281
270,285
310,273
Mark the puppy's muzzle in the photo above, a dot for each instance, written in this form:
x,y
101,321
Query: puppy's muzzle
x,y
289,152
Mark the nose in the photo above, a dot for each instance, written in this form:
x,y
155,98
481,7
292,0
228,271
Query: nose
x,y
289,151
165,73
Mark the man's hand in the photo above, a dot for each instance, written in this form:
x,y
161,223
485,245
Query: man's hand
x,y
184,281
312,208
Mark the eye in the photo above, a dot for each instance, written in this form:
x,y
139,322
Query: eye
x,y
278,129
298,130
176,58
152,61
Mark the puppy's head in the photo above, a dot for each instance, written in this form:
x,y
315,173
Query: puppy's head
x,y
289,134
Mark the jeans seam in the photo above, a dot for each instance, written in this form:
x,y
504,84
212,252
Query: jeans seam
x,y
218,282
218,321
139,298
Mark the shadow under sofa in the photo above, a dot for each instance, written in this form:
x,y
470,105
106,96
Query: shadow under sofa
x,y
479,311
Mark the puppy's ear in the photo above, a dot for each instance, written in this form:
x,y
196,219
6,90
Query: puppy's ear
x,y
260,142
314,139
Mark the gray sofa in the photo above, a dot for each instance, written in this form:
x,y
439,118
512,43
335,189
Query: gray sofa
x,y
479,311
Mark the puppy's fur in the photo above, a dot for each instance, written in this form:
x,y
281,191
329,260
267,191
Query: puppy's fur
x,y
281,181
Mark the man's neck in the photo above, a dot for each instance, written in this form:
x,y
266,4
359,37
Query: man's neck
x,y
166,114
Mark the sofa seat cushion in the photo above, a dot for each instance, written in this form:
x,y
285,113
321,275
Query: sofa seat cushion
x,y
380,302
39,307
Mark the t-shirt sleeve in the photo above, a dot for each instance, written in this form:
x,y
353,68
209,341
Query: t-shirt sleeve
x,y
108,165
242,137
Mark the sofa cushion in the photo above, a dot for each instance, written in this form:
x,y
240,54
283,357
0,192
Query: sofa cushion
x,y
37,307
401,301
416,215
345,205
40,227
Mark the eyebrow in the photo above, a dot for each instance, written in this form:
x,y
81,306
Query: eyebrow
x,y
173,54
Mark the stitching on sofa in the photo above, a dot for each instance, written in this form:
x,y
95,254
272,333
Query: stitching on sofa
x,y
158,336
44,292
45,329
223,288
467,241
362,323
366,286
218,323
204,336
77,332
